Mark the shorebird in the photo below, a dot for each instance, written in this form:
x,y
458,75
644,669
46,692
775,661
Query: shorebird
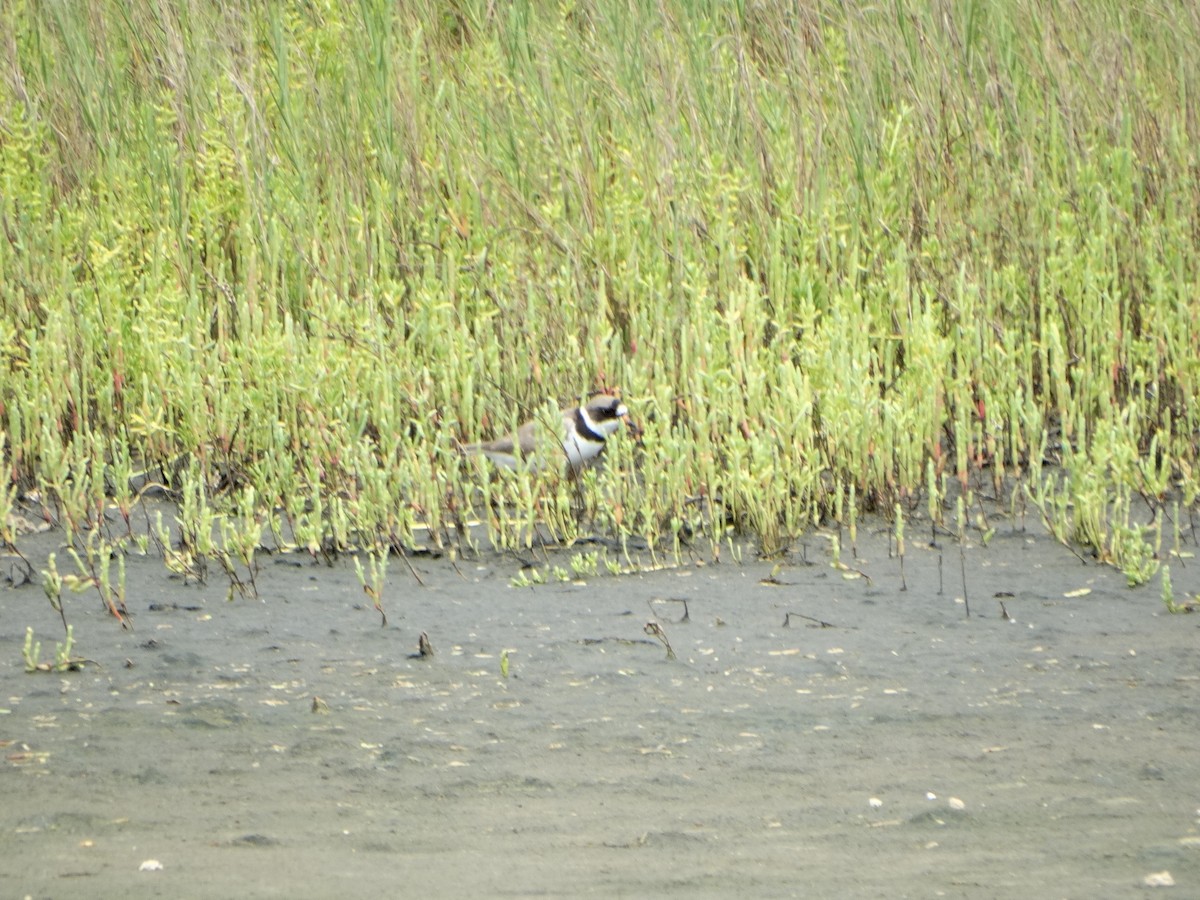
x,y
581,438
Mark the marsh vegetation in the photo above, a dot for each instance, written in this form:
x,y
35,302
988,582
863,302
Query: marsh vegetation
x,y
278,261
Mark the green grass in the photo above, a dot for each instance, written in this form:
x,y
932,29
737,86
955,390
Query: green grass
x,y
831,255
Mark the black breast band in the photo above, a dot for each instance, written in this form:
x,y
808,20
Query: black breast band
x,y
584,430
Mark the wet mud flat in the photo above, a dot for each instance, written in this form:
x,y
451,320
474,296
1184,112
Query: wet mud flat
x,y
880,744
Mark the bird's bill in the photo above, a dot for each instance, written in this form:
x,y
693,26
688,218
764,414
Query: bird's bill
x,y
634,428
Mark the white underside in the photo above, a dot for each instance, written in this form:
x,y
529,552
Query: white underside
x,y
576,453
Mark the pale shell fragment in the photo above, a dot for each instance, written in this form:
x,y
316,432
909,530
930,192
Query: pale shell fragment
x,y
150,865
1159,879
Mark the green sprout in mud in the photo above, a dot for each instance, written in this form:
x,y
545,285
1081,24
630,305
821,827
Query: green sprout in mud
x,y
1176,545
63,661
95,570
1132,554
240,535
377,562
178,559
528,578
986,531
52,584
899,531
933,499
1168,596
585,565
853,504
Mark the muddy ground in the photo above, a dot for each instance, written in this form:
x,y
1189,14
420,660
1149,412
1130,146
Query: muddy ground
x,y
904,750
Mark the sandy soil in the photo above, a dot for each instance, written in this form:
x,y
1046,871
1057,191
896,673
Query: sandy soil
x,y
903,751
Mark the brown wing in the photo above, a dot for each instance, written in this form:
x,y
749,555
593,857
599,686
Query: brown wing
x,y
508,443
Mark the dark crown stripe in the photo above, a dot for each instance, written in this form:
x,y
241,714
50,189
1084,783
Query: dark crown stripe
x,y
584,430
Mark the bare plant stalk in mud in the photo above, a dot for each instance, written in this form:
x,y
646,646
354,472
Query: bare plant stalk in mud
x,y
961,518
655,630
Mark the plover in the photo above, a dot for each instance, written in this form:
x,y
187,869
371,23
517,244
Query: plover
x,y
584,431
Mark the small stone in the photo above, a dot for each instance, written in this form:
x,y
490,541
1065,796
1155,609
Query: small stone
x,y
1159,879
